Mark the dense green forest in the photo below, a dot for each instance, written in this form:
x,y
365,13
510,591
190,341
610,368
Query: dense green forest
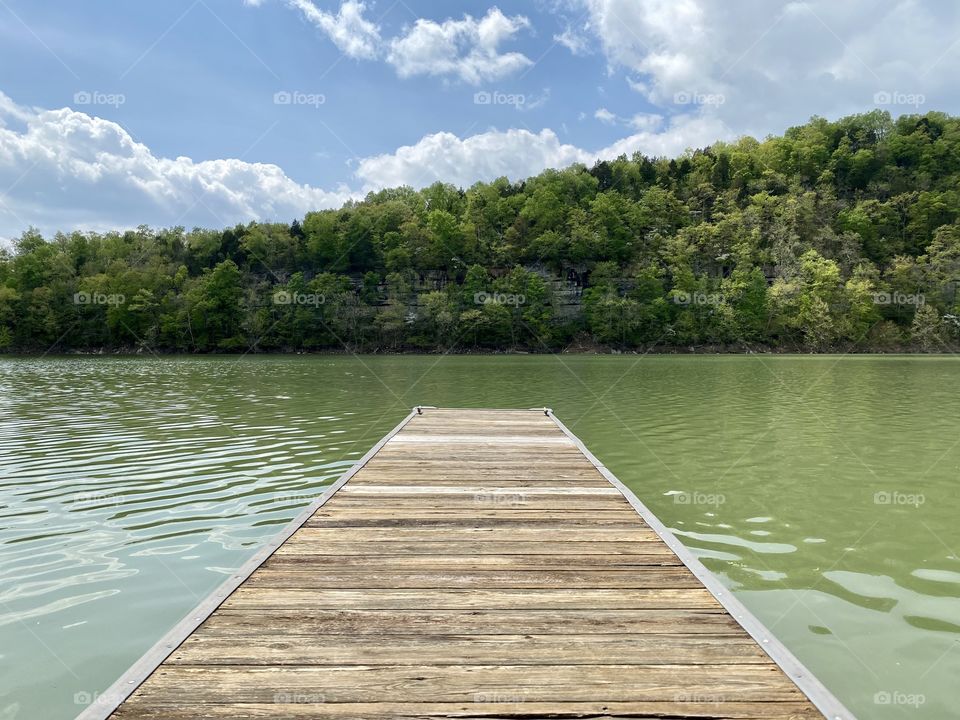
x,y
837,236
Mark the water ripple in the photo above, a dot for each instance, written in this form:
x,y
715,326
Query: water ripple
x,y
822,489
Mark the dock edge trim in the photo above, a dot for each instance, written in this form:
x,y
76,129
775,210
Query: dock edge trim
x,y
120,691
798,673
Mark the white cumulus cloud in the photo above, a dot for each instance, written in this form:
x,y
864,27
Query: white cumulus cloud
x,y
349,30
605,116
66,170
486,156
468,49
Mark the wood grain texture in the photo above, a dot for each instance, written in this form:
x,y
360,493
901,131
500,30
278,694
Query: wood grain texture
x,y
431,622
477,566
568,649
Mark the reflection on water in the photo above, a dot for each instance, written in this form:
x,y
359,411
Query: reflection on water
x,y
822,489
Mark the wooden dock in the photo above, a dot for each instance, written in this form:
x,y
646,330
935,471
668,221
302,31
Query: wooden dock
x,y
474,564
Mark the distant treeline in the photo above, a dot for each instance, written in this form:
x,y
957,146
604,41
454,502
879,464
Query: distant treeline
x,y
838,235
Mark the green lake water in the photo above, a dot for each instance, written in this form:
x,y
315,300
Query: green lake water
x,y
824,490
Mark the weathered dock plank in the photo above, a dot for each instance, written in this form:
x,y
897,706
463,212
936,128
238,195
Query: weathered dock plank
x,y
475,563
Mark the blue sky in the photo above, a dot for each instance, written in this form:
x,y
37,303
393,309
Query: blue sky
x,y
114,114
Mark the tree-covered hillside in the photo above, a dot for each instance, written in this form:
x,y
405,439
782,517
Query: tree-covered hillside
x,y
838,235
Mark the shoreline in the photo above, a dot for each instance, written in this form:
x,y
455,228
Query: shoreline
x,y
481,352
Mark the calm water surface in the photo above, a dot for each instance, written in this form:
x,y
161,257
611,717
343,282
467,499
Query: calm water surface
x,y
823,490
